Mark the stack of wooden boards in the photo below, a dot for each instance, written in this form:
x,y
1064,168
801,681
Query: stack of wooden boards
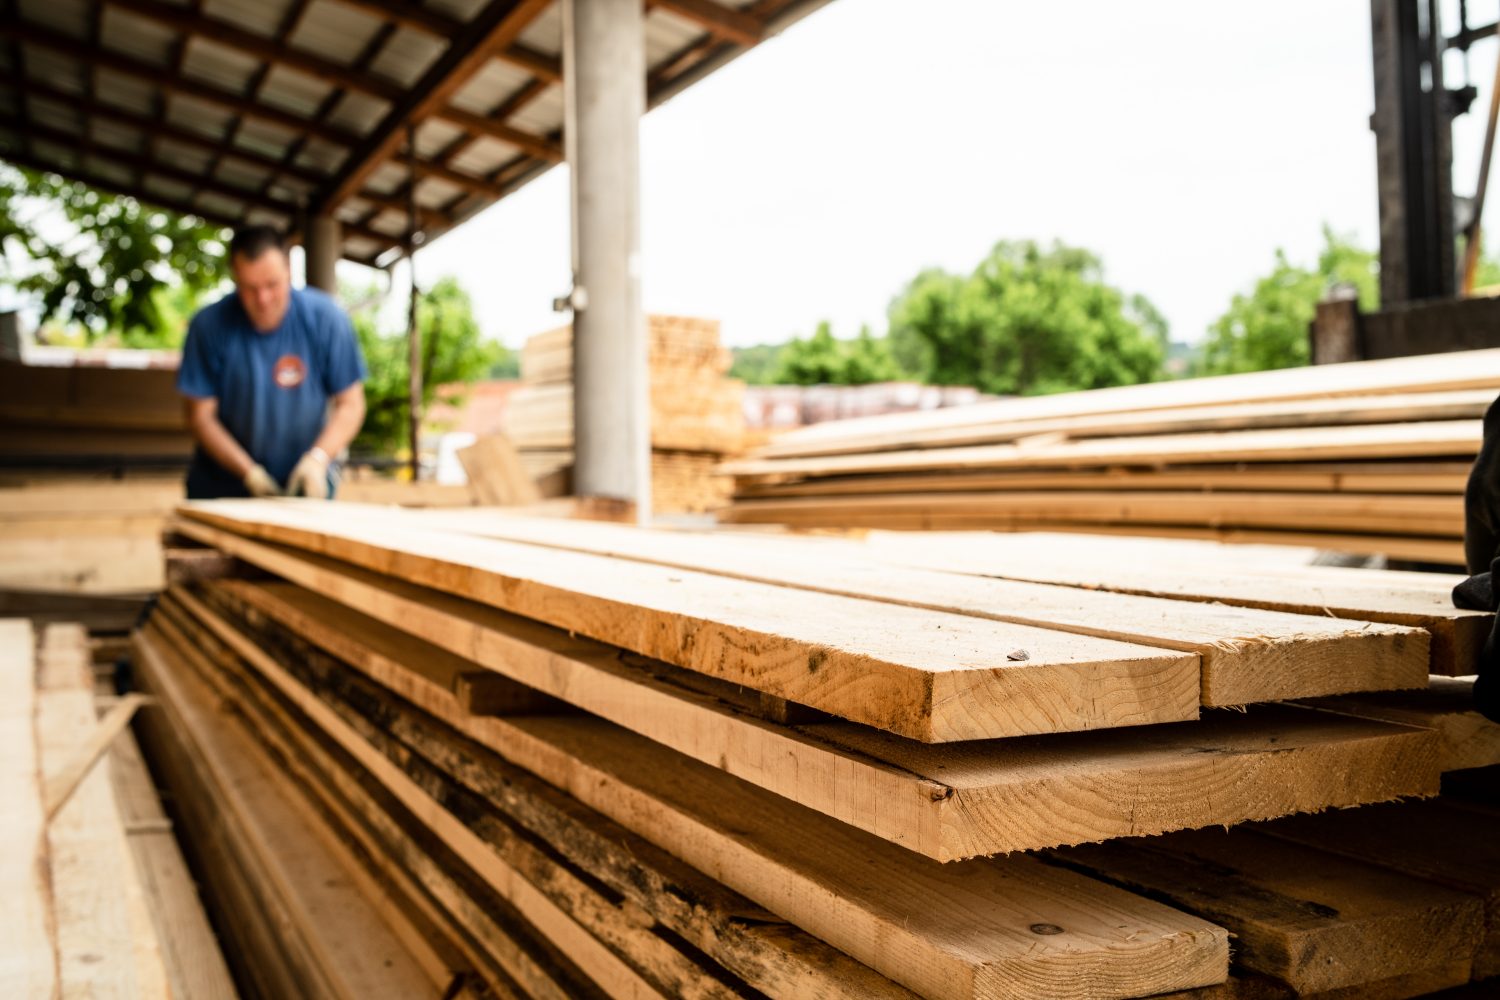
x,y
96,895
583,759
93,414
697,415
1367,457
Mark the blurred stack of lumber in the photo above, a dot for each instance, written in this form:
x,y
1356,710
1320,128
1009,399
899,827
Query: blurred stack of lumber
x,y
98,900
1367,457
582,759
697,414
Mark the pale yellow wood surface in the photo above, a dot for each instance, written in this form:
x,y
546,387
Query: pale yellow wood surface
x,y
1446,705
928,675
943,930
945,802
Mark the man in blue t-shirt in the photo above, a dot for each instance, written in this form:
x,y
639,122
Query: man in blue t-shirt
x,y
273,378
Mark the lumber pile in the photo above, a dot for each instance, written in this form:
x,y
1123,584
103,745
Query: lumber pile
x,y
568,758
97,897
1366,457
697,415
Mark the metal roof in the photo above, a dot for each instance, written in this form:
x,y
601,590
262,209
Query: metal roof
x,y
271,110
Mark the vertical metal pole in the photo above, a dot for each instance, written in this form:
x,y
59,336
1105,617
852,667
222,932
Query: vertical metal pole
x,y
321,251
604,77
413,331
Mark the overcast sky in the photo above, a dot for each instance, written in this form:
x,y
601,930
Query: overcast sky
x,y
814,176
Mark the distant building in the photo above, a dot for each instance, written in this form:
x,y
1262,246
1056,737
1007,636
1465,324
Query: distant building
x,y
779,407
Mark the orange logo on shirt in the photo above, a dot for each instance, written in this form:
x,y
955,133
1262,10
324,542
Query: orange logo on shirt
x,y
289,371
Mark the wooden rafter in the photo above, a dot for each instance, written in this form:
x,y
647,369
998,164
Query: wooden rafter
x,y
495,27
724,22
423,18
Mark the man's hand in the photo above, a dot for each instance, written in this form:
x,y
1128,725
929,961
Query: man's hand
x,y
310,476
260,484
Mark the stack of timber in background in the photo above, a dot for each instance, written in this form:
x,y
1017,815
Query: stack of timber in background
x,y
1368,457
597,760
98,898
697,414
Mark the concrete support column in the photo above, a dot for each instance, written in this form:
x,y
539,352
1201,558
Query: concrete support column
x,y
604,73
321,252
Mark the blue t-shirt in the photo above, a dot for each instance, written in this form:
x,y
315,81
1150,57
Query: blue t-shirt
x,y
272,388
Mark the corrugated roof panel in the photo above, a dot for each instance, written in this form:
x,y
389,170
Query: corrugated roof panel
x,y
212,201
207,120
71,17
128,93
459,10
183,156
286,189
239,174
262,137
137,36
434,135
543,115
545,33
390,222
56,114
126,138
260,17
62,71
408,55
223,67
167,189
359,247
484,155
335,31
294,91
110,169
358,113
387,177
436,193
667,34
487,89
321,155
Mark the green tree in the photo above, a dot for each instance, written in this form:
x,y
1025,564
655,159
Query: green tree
x,y
868,359
818,360
105,263
756,365
1268,328
453,351
1028,320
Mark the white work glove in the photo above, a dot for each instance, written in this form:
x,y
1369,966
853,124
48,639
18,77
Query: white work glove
x,y
310,476
259,482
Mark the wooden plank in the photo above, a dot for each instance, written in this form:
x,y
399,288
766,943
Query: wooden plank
x,y
1311,477
1435,841
28,953
343,945
482,924
495,472
926,675
1434,439
613,946
750,942
1452,372
1332,412
1141,566
942,930
938,801
105,941
1246,655
1374,513
190,952
1310,919
64,781
1446,705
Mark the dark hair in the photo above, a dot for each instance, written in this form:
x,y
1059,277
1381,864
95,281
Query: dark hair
x,y
252,241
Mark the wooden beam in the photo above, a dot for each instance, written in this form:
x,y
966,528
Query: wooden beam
x,y
725,22
527,142
268,49
496,27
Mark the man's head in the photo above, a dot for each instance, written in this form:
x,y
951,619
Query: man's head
x,y
262,275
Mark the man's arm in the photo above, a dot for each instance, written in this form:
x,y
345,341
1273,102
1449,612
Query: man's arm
x,y
203,421
345,418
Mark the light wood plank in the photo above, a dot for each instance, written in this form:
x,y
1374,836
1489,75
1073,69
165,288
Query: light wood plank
x,y
945,802
926,675
1247,655
943,930
1446,705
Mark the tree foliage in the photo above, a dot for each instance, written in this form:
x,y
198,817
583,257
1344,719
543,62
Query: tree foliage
x,y
757,364
822,359
1268,328
1029,319
105,263
453,351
